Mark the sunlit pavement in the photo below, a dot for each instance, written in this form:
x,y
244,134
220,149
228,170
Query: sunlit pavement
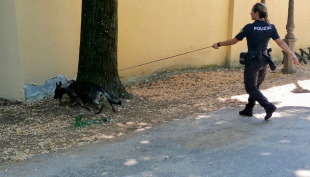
x,y
219,143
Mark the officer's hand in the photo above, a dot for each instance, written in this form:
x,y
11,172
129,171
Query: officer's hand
x,y
215,46
295,59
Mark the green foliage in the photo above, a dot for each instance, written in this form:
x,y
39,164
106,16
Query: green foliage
x,y
104,103
79,123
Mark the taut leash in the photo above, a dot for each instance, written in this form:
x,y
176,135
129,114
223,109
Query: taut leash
x,y
165,58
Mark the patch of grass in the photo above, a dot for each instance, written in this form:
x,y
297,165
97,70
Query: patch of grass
x,y
79,122
104,103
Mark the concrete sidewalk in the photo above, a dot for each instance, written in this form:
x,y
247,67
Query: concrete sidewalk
x,y
219,143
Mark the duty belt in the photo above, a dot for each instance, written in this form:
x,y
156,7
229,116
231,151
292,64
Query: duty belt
x,y
265,52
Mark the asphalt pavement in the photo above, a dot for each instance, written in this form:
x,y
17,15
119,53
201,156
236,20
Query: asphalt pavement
x,y
214,144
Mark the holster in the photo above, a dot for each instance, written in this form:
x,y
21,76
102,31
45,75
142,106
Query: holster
x,y
269,59
247,57
244,58
255,54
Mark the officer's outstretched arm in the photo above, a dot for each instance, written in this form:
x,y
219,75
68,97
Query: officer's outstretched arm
x,y
225,43
283,46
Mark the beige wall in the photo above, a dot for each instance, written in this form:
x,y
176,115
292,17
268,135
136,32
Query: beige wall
x,y
302,21
150,30
39,39
278,12
49,34
239,17
11,80
278,16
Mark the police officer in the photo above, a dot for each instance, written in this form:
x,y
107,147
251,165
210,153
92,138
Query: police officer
x,y
258,35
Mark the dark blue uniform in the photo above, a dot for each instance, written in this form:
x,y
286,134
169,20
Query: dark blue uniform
x,y
257,34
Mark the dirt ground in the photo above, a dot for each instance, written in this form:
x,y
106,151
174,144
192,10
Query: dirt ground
x,y
30,128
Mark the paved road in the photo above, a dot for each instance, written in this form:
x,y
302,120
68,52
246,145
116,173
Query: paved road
x,y
219,143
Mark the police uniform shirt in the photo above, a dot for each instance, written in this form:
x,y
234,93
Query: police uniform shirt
x,y
258,34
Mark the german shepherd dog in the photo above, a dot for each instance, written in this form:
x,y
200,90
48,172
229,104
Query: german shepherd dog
x,y
87,92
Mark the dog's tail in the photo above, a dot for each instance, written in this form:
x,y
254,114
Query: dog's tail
x,y
110,97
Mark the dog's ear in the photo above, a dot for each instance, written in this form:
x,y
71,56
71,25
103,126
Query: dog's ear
x,y
60,84
57,85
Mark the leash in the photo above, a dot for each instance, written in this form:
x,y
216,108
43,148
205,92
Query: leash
x,y
165,58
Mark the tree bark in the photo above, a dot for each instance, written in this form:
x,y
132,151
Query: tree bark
x,y
98,46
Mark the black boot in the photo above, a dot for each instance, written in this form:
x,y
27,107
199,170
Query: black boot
x,y
269,110
248,110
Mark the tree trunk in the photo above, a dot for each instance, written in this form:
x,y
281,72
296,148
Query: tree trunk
x,y
98,46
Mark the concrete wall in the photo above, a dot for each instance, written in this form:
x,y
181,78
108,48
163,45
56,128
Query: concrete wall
x,y
39,39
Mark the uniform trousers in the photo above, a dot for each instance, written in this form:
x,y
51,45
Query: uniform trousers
x,y
254,76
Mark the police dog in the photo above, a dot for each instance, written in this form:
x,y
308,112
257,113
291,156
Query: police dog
x,y
80,92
